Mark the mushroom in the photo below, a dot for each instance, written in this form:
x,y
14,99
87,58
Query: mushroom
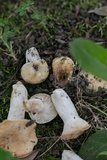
x,y
70,155
17,134
63,68
94,83
74,126
18,137
18,96
35,70
40,108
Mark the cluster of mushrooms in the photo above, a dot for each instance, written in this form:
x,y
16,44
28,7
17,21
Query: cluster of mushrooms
x,y
17,134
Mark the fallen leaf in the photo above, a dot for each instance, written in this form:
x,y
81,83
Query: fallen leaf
x,y
102,11
31,156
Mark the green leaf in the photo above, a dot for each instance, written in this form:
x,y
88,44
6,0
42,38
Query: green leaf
x,y
22,12
4,22
30,2
95,144
7,35
5,155
91,57
104,153
18,10
37,15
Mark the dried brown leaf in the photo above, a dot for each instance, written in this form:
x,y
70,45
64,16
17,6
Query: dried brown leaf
x,y
102,11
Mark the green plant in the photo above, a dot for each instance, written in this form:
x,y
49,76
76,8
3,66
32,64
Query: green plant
x,y
5,35
91,56
96,145
5,155
93,59
24,6
27,7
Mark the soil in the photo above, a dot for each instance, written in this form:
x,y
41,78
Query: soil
x,y
77,90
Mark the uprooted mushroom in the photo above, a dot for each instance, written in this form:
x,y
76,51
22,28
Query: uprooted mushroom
x,y
74,126
40,108
17,134
35,70
94,83
62,69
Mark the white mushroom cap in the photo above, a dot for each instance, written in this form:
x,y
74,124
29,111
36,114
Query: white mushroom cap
x,y
63,68
18,137
18,96
40,108
94,82
74,126
70,155
35,72
32,55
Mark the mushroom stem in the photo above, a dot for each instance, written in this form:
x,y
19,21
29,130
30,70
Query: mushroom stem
x,y
70,155
73,124
63,104
18,96
32,55
93,82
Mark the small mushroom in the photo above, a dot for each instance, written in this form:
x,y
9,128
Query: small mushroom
x,y
18,96
63,68
18,137
94,83
70,155
35,70
74,126
40,108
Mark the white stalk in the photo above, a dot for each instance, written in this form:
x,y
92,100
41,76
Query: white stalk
x,y
63,104
32,55
70,155
18,96
74,126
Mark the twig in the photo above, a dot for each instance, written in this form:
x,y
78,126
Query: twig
x,y
97,109
48,148
47,138
66,144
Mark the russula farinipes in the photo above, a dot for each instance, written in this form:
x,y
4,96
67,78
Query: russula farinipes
x,y
70,155
18,137
94,83
74,126
35,70
40,108
17,134
18,96
63,68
